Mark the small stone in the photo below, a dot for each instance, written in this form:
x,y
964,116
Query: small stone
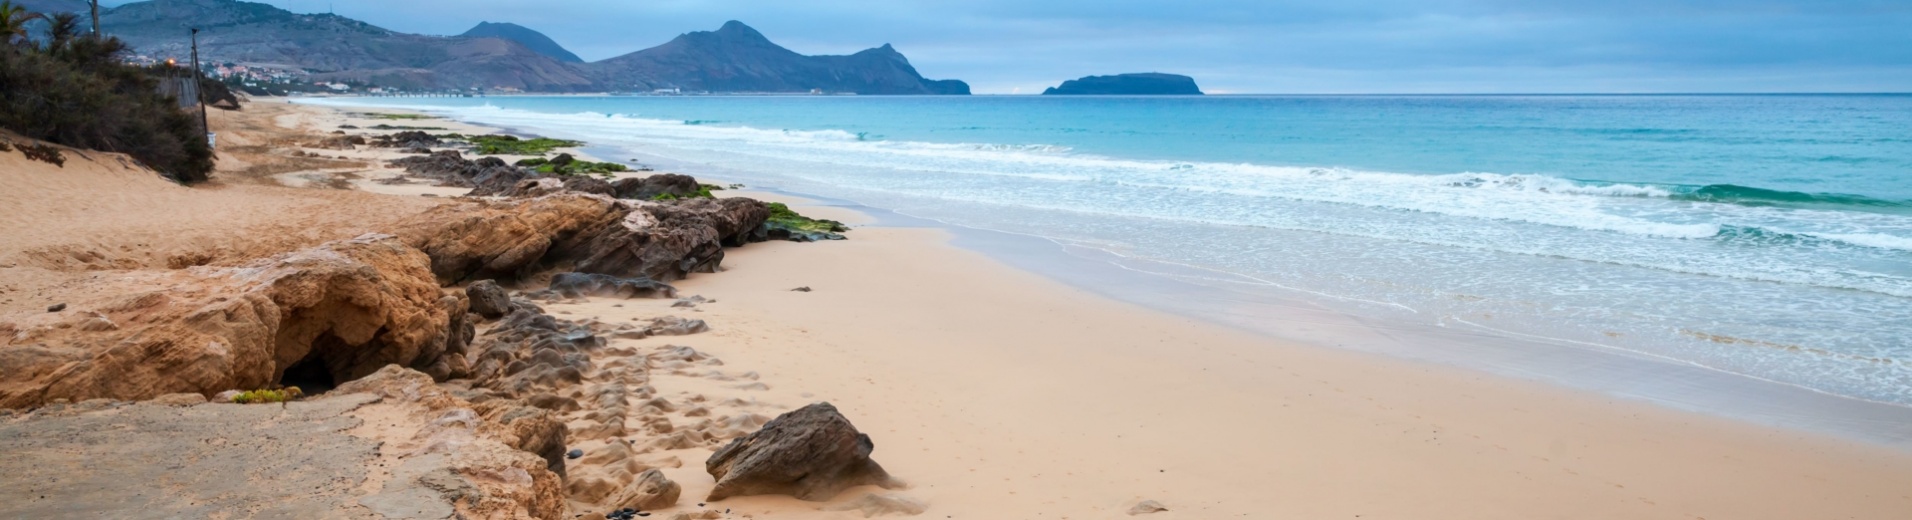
x,y
801,289
180,399
56,308
1146,507
574,454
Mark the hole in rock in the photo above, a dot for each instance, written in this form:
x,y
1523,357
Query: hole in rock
x,y
311,375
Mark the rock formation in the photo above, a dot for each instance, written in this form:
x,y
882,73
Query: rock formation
x,y
661,241
487,175
579,285
318,317
651,491
647,188
811,453
488,300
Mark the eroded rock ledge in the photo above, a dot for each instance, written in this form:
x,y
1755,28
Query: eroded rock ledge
x,y
481,424
332,313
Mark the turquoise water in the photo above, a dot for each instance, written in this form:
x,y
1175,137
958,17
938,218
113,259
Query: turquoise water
x,y
1768,236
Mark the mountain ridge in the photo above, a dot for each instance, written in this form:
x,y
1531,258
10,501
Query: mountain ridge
x,y
532,39
734,58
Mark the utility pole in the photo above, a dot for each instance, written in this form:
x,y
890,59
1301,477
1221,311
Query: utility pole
x,y
96,18
198,87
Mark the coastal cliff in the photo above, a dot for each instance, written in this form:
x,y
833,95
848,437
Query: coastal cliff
x,y
1142,84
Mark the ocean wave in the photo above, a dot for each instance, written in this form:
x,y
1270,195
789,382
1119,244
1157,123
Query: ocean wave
x,y
1750,196
1516,197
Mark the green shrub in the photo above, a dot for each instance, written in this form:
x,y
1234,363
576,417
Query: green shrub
x,y
77,93
290,393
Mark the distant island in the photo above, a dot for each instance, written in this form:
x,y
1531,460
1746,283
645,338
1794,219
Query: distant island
x,y
1141,84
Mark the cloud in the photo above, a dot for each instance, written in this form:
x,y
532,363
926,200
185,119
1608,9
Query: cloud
x,y
1270,46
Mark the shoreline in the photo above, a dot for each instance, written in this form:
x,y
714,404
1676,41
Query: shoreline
x,y
1604,370
1610,419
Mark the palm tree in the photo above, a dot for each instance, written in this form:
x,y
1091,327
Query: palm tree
x,y
61,30
13,22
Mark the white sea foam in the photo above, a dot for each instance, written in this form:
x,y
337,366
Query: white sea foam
x,y
1525,198
1592,256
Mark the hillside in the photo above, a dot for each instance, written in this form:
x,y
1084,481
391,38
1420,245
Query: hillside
x,y
335,47
737,58
531,39
495,56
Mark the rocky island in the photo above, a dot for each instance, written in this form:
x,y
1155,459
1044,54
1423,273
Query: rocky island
x,y
1140,84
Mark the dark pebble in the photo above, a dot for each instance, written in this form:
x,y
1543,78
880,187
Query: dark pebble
x,y
574,454
56,308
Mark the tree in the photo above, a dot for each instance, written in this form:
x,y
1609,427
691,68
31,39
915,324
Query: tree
x,y
61,30
13,22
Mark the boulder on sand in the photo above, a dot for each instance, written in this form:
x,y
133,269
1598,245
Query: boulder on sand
x,y
650,492
812,453
577,285
651,187
488,299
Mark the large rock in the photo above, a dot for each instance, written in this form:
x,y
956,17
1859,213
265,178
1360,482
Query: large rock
x,y
666,241
650,492
488,299
502,239
532,353
583,233
487,175
328,315
812,453
650,187
576,285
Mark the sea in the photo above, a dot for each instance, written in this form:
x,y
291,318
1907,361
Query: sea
x,y
1750,254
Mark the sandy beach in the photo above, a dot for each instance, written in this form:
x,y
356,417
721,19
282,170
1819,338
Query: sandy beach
x,y
992,392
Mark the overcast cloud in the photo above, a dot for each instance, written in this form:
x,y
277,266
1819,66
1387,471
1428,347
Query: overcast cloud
x,y
1243,46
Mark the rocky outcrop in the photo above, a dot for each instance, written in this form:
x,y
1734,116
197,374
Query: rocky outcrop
x,y
661,241
531,353
650,492
667,241
579,285
407,139
811,453
485,460
317,317
450,168
650,187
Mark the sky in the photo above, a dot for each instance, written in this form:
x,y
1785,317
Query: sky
x,y
1267,46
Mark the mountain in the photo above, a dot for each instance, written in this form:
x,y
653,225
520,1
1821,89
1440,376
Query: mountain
x,y
534,40
1144,84
498,56
335,48
57,6
737,58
